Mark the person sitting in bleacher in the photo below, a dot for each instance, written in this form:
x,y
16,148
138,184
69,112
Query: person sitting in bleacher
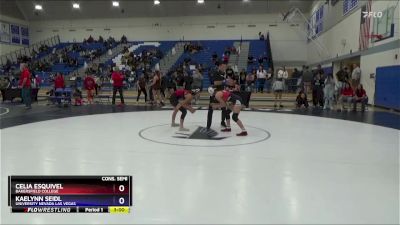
x,y
360,96
250,59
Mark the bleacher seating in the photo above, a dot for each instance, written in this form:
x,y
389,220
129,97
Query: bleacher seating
x,y
257,49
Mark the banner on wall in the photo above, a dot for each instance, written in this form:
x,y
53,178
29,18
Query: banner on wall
x,y
24,35
15,34
5,35
365,26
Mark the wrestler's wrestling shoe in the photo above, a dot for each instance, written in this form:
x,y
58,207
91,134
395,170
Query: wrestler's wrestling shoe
x,y
243,133
227,129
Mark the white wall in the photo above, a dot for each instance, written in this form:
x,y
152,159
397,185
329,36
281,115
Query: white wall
x,y
6,48
347,30
288,43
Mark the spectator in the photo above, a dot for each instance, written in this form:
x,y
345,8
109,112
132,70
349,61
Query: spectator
x,y
242,80
214,56
261,77
59,81
118,82
278,87
346,96
124,40
301,100
197,84
90,39
90,86
25,85
229,72
225,58
296,76
355,76
342,77
77,97
261,60
329,92
188,81
141,87
320,71
261,36
156,87
360,96
318,91
307,79
250,80
250,59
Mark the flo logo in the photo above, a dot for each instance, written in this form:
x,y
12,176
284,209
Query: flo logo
x,y
372,14
201,133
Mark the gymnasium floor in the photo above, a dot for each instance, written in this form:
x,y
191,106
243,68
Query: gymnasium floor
x,y
294,167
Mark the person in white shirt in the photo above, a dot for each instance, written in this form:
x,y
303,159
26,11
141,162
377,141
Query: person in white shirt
x,y
261,77
278,86
355,76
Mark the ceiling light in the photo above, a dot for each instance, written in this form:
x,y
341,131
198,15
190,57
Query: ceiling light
x,y
200,1
75,6
156,2
115,3
38,7
246,0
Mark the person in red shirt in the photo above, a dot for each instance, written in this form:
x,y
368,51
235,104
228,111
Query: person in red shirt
x,y
360,96
59,84
118,82
90,86
346,95
59,81
25,85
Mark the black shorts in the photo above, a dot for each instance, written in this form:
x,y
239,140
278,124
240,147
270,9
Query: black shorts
x,y
173,100
235,99
217,88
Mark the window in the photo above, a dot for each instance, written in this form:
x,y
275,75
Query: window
x,y
349,5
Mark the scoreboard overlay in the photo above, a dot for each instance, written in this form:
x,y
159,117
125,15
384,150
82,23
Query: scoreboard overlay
x,y
70,194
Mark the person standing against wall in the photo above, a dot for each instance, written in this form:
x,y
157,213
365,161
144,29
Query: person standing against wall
x,y
261,77
355,76
118,83
25,85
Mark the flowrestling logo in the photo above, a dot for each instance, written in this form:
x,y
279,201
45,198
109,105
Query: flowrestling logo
x,y
372,14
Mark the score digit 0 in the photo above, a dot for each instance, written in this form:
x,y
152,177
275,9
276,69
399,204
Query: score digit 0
x,y
121,188
121,201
